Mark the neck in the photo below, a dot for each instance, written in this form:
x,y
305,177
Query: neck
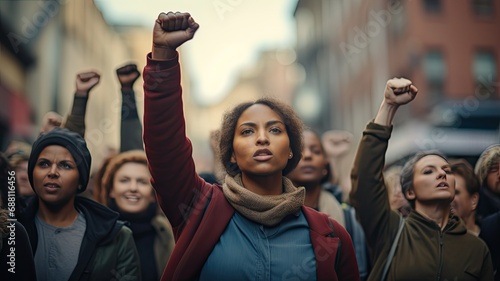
x,y
263,185
470,223
439,213
58,216
312,196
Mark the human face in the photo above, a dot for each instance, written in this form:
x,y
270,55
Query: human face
x,y
132,189
493,178
261,145
433,180
312,166
463,204
23,182
56,176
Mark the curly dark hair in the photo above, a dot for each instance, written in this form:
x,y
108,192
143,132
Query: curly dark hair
x,y
293,124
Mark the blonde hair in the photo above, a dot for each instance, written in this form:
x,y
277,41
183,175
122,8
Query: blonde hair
x,y
489,157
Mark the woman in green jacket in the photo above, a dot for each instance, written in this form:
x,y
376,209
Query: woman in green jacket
x,y
433,244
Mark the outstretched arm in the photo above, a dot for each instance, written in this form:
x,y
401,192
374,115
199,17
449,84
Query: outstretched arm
x,y
85,81
131,128
369,194
168,149
337,145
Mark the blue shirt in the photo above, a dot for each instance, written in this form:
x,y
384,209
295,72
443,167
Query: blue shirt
x,y
250,251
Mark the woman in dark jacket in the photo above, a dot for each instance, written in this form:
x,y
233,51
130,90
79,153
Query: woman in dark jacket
x,y
73,238
254,226
127,189
433,244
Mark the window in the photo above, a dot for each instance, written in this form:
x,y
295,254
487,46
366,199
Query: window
x,y
483,7
485,73
435,74
432,6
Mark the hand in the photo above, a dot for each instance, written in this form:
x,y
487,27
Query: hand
x,y
336,143
399,91
85,81
51,120
170,31
127,75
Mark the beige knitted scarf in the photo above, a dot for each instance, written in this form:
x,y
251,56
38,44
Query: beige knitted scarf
x,y
268,210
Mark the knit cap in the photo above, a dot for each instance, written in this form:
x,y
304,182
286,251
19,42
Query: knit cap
x,y
73,142
489,157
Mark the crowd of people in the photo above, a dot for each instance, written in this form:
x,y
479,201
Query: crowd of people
x,y
272,209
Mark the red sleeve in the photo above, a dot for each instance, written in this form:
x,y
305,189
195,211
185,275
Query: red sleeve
x,y
167,147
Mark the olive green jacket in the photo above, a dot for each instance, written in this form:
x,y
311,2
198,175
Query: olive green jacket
x,y
424,251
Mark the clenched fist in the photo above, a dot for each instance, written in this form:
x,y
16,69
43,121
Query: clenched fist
x,y
170,31
399,91
85,81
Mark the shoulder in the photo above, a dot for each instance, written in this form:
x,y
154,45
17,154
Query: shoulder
x,y
322,223
123,237
161,225
473,243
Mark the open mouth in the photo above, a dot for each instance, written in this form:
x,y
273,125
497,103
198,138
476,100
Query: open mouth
x,y
443,185
132,198
262,155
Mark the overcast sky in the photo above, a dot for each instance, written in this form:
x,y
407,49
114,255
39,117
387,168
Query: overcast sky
x,y
231,34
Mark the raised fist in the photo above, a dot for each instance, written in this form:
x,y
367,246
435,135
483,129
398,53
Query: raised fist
x,y
51,120
170,31
127,75
85,81
399,91
336,143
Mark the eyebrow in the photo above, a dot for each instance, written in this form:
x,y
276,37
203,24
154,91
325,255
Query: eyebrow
x,y
433,166
268,123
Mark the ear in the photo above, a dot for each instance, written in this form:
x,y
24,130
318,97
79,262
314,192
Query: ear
x,y
233,159
410,194
474,199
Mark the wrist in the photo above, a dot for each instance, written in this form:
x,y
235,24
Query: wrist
x,y
81,93
386,113
163,53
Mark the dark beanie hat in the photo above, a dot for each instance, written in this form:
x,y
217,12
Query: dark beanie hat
x,y
73,142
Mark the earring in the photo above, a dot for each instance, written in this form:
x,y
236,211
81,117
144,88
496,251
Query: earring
x,y
290,155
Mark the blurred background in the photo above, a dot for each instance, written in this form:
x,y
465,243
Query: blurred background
x,y
329,59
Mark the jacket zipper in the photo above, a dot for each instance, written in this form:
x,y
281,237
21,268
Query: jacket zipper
x,y
440,255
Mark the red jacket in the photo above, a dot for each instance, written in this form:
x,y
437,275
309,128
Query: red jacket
x,y
197,210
